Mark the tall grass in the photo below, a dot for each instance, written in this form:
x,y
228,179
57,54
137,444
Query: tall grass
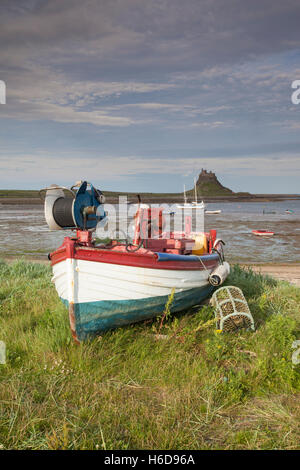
x,y
128,389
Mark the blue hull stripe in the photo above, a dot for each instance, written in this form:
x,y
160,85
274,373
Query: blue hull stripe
x,y
172,257
94,317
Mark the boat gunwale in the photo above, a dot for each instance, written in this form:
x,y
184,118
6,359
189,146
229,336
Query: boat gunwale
x,y
70,250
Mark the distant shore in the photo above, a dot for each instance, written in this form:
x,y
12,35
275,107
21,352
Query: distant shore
x,y
20,201
164,198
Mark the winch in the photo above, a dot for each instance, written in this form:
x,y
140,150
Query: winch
x,y
79,209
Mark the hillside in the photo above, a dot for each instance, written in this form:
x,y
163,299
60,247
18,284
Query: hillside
x,y
209,185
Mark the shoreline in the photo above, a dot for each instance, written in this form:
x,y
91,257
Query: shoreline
x,y
289,272
171,199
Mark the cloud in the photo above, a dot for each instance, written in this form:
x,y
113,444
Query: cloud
x,y
40,93
209,125
133,36
61,60
143,34
160,79
288,125
58,169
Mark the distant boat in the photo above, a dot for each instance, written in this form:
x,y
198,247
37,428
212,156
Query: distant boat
x,y
269,212
193,205
263,233
289,211
218,211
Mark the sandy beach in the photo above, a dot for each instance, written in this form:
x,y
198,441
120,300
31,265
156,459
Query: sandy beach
x,y
283,272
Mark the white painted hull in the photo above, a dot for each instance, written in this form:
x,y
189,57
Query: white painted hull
x,y
81,281
191,206
263,234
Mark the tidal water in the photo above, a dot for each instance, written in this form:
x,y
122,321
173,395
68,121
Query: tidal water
x,y
24,231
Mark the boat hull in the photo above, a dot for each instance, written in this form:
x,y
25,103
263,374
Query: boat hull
x,y
191,206
105,295
92,318
261,233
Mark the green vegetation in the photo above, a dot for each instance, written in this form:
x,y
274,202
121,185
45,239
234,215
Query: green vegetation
x,y
171,384
18,193
210,188
145,197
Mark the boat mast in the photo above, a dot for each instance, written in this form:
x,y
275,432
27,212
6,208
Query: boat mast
x,y
195,188
185,200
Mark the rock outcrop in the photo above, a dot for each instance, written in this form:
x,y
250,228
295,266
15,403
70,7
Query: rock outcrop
x,y
209,185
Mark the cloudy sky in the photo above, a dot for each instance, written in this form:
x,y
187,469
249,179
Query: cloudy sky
x,y
141,94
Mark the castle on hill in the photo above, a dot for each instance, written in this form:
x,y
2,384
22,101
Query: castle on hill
x,y
209,185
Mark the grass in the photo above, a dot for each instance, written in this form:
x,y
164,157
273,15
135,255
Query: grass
x,y
188,387
19,193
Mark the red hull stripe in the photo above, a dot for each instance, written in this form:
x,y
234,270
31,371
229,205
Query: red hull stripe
x,y
145,260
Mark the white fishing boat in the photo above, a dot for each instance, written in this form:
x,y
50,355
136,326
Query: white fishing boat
x,y
191,205
218,211
263,233
115,283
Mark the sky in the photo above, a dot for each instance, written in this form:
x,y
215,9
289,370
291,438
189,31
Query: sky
x,y
140,95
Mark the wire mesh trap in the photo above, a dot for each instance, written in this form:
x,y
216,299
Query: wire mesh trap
x,y
231,309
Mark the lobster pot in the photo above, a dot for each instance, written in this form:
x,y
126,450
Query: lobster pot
x,y
231,309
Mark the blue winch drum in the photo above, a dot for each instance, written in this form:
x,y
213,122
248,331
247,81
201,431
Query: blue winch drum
x,y
83,210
